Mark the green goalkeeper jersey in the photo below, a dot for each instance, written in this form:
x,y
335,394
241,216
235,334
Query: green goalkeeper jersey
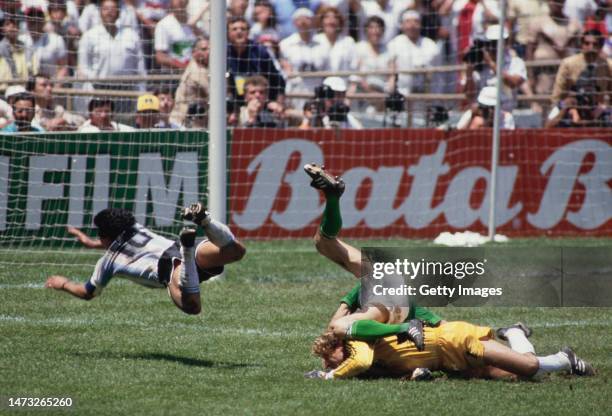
x,y
352,301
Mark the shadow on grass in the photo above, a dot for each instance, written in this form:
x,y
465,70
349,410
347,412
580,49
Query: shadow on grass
x,y
154,356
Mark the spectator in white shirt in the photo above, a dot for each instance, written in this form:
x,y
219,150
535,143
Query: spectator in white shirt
x,y
481,115
301,53
389,11
101,118
108,49
48,47
372,55
338,47
174,38
410,50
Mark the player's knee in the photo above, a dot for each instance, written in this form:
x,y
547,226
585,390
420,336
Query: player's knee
x,y
320,243
192,309
532,365
239,251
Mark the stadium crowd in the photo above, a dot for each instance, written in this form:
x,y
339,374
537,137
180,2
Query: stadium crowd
x,y
278,51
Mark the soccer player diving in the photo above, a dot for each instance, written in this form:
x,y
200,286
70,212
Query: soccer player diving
x,y
353,320
146,258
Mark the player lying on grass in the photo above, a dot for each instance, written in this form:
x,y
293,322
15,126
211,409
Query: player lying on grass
x,y
457,347
134,252
351,320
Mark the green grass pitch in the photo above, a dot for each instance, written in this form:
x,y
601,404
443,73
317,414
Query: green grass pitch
x,y
131,351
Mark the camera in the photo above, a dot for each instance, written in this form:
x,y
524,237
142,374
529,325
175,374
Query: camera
x,y
324,92
475,55
196,110
338,112
395,102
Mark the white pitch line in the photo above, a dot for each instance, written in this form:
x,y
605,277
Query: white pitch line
x,y
22,286
143,325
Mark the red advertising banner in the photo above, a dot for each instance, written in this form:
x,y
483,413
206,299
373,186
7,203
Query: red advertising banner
x,y
419,183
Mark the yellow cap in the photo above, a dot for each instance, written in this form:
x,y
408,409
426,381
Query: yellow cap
x,y
147,102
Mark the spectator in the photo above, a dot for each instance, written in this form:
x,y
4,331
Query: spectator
x,y
389,12
264,26
174,38
166,105
91,16
110,50
308,113
485,72
149,13
410,50
583,107
199,15
602,21
237,8
285,10
193,87
521,17
580,9
482,114
338,47
332,109
101,117
23,113
147,112
587,64
550,36
66,27
256,113
6,105
16,61
245,59
301,53
48,116
372,55
47,47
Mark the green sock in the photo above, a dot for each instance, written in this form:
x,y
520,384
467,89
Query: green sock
x,y
368,330
331,223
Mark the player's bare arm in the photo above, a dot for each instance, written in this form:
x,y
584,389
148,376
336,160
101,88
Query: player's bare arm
x,y
84,239
62,283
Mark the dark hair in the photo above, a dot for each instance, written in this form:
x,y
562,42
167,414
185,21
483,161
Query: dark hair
x,y
234,19
23,96
31,83
163,90
100,102
597,35
111,222
271,22
374,19
57,5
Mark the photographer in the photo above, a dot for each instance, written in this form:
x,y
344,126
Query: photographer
x,y
258,112
583,107
482,68
482,114
331,106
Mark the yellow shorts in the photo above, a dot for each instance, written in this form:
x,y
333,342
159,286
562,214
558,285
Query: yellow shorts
x,y
460,346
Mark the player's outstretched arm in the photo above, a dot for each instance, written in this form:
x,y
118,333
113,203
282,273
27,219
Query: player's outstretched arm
x,y
65,284
84,238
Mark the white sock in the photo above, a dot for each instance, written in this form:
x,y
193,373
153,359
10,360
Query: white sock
x,y
553,363
189,280
218,233
519,342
